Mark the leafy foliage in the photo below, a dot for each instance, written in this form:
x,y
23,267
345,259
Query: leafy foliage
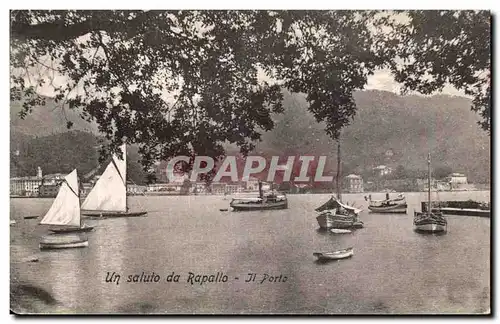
x,y
435,48
123,64
187,82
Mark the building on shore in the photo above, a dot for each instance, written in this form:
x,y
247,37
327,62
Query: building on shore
x,y
35,186
382,170
134,189
354,183
48,190
25,186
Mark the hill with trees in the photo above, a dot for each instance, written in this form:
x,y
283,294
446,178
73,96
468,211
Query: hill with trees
x,y
388,129
392,130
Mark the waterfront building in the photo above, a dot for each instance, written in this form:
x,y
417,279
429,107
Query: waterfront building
x,y
457,178
25,186
48,190
382,170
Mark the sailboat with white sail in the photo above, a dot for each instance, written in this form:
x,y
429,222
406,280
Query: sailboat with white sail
x,y
108,197
64,214
430,221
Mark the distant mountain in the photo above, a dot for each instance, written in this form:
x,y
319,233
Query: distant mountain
x,y
388,129
391,130
58,153
63,152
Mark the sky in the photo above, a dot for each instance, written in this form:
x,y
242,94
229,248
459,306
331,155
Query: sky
x,y
380,80
383,80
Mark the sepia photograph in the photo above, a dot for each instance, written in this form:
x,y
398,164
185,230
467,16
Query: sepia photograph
x,y
250,162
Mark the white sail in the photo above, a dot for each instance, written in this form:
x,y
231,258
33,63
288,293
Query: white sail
x,y
65,209
110,191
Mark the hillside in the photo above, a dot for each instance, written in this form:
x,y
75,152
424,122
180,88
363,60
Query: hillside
x,y
406,126
46,120
63,152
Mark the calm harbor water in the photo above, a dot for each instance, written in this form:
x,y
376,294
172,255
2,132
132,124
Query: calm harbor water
x,y
393,270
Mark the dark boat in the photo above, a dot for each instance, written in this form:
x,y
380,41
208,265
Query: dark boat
x,y
71,229
102,214
460,208
394,206
428,221
335,214
266,201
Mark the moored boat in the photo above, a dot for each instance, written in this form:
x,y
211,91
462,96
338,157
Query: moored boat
x,y
392,209
334,214
396,205
266,201
428,221
336,255
460,208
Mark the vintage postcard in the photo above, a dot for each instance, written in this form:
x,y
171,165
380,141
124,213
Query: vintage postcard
x,y
322,162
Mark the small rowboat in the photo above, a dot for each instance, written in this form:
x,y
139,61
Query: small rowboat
x,y
340,231
337,255
54,241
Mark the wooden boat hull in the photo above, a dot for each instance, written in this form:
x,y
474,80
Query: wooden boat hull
x,y
98,214
64,230
55,246
460,208
394,209
434,223
55,241
342,254
328,221
431,227
249,206
463,212
340,231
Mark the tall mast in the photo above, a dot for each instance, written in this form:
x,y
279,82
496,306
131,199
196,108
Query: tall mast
x,y
338,170
429,183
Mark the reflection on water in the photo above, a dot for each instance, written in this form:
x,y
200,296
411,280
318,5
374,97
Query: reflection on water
x,y
393,269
